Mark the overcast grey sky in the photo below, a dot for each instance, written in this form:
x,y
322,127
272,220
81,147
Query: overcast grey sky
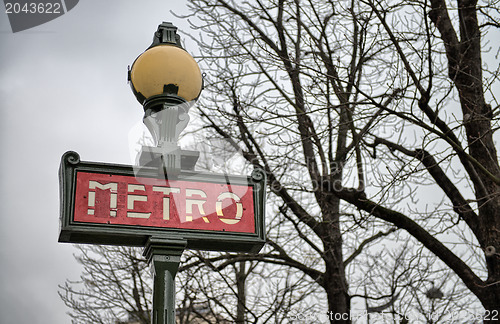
x,y
63,86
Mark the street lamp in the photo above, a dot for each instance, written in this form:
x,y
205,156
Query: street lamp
x,y
166,80
103,203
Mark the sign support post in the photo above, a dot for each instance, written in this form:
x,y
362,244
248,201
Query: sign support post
x,y
164,256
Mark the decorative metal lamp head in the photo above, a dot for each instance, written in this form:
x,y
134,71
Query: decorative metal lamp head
x,y
167,81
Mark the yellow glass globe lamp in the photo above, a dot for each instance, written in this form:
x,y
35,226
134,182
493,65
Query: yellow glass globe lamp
x,y
165,72
166,69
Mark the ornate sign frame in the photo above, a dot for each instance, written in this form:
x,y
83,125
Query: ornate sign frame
x,y
218,234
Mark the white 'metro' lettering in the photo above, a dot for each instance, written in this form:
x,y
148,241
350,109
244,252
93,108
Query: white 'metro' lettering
x,y
195,198
239,208
166,200
133,198
113,186
197,202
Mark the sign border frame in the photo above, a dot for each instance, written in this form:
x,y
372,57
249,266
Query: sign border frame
x,y
129,235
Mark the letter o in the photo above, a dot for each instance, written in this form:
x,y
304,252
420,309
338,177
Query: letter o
x,y
239,208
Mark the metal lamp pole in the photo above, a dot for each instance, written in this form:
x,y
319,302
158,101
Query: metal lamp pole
x,y
164,256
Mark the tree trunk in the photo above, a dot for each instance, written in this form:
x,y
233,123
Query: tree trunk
x,y
465,70
467,73
335,283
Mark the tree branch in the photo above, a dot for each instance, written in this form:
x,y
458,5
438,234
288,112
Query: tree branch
x,y
365,243
460,204
358,199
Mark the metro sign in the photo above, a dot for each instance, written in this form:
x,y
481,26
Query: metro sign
x,y
109,204
125,200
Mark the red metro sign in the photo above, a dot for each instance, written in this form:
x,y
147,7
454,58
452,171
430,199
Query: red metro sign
x,y
109,204
125,200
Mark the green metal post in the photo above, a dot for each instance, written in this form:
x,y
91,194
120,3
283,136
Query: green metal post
x,y
164,255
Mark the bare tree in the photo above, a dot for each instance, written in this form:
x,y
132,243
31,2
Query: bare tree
x,y
449,142
115,286
351,109
238,292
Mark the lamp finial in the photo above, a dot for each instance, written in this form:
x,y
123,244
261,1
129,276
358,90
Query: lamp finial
x,y
166,34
